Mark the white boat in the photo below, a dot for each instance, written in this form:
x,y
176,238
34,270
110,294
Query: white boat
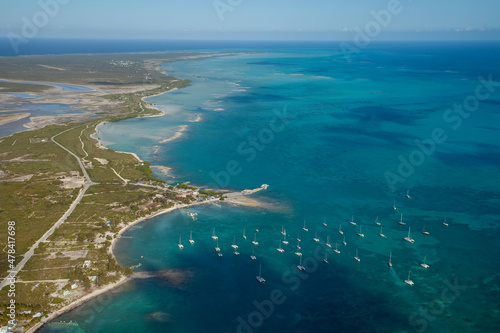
x,y
445,223
340,230
344,242
316,239
325,259
252,256
408,238
377,221
299,266
191,241
390,260
360,234
352,221
259,277
236,253
214,236
381,233
234,246
356,257
425,232
324,222
254,242
244,236
219,254
180,243
408,194
394,205
284,238
283,232
192,215
298,245
298,238
280,249
409,281
423,264
401,221
337,248
328,242
304,228
217,248
298,253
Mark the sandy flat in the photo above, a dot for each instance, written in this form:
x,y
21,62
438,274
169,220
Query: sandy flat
x,y
10,118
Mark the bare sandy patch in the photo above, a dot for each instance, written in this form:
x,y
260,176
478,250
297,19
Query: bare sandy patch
x,y
10,118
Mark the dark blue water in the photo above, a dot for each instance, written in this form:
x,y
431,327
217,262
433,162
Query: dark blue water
x,y
335,140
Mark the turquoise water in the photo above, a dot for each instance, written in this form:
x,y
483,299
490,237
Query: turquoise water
x,y
326,135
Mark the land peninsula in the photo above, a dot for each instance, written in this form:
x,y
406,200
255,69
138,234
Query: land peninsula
x,y
70,197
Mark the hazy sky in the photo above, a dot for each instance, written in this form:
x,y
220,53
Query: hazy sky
x,y
252,19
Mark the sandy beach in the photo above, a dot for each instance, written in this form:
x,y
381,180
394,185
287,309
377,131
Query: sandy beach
x,y
10,118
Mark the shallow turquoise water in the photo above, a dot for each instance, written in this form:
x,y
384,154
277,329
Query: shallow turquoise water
x,y
347,125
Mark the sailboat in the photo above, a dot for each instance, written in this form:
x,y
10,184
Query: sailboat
x,y
298,237
180,243
390,260
324,222
214,236
401,221
344,242
394,205
280,249
423,264
381,234
234,246
325,259
298,245
316,239
377,221
283,230
360,234
236,253
252,256
409,281
244,236
284,238
408,238
328,241
299,266
217,248
356,257
340,230
304,228
337,248
259,277
254,242
445,223
191,241
425,232
352,221
408,194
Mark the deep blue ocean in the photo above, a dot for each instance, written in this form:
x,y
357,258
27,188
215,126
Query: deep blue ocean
x,y
336,139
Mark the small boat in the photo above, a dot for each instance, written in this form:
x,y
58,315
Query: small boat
x,y
180,244
423,264
356,257
401,221
425,232
324,222
394,205
360,234
219,254
234,246
328,242
316,239
409,281
390,260
299,266
408,194
252,256
337,248
408,238
254,242
352,221
214,236
244,236
325,259
192,215
259,277
236,253
283,232
217,248
344,242
191,241
298,253
381,234
445,223
284,238
280,249
377,221
298,238
298,245
304,228
340,230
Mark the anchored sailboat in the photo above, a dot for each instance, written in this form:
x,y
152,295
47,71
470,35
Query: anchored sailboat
x,y
191,241
445,223
214,236
324,222
280,249
284,238
423,264
425,232
316,239
409,281
352,221
401,221
356,257
340,230
381,234
234,246
299,266
344,242
217,248
180,243
360,234
390,260
336,248
244,236
328,241
394,205
377,221
259,277
304,228
408,194
254,242
252,256
408,238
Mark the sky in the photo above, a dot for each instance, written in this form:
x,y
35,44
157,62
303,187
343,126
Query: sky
x,y
251,19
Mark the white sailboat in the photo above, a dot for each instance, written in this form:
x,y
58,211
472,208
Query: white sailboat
x,y
298,253
356,257
252,256
340,230
401,221
408,238
316,239
283,230
352,221
298,245
298,237
336,248
217,248
191,241
214,236
344,242
360,234
299,266
409,281
390,260
394,205
234,246
325,259
236,253
254,242
304,228
180,244
284,238
280,249
328,241
244,236
423,264
381,233
324,222
408,194
259,277
445,223
377,221
425,232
